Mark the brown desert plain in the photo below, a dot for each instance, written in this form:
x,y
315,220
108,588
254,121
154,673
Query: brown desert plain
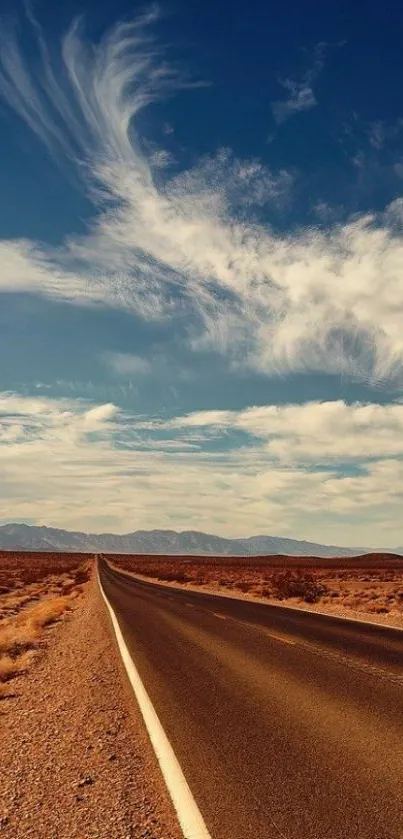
x,y
368,587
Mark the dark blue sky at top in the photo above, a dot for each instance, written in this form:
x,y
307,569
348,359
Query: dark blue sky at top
x,y
243,52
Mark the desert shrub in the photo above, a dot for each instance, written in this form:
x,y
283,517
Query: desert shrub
x,y
266,591
8,668
244,586
48,611
173,576
16,638
297,583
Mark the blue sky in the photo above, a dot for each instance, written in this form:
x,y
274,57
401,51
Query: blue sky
x,y
201,292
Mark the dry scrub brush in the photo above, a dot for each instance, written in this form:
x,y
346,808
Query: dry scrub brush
x,y
302,584
21,634
18,568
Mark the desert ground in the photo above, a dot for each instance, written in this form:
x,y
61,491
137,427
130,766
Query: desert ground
x,y
36,590
368,587
76,757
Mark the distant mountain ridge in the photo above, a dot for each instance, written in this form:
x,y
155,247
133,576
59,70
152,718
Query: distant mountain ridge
x,y
34,538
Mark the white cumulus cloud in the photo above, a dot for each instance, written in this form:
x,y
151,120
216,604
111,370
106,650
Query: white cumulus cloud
x,y
312,432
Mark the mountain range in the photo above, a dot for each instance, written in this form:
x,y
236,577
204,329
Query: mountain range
x,y
34,538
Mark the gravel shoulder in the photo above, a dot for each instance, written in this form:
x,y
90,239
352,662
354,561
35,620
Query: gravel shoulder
x,y
76,759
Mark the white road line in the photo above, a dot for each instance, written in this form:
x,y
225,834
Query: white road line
x,y
189,816
281,638
222,617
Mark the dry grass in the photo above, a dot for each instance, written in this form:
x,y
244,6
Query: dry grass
x,y
8,668
372,584
36,590
48,611
17,636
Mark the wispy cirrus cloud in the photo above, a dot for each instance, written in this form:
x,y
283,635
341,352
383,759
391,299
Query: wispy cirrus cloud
x,y
300,93
195,246
300,98
127,364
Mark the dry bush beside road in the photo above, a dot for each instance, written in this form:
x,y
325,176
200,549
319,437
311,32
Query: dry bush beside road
x,y
35,591
369,585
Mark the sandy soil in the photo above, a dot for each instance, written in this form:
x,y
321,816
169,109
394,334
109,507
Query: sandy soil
x,y
77,763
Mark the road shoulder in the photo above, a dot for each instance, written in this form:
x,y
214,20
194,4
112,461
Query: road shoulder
x,y
77,757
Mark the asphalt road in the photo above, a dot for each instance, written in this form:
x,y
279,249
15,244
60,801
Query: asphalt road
x,y
286,724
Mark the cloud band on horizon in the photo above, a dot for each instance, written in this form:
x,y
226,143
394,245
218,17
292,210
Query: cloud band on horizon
x,y
70,463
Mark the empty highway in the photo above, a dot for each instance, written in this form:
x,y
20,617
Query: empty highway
x,y
287,725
